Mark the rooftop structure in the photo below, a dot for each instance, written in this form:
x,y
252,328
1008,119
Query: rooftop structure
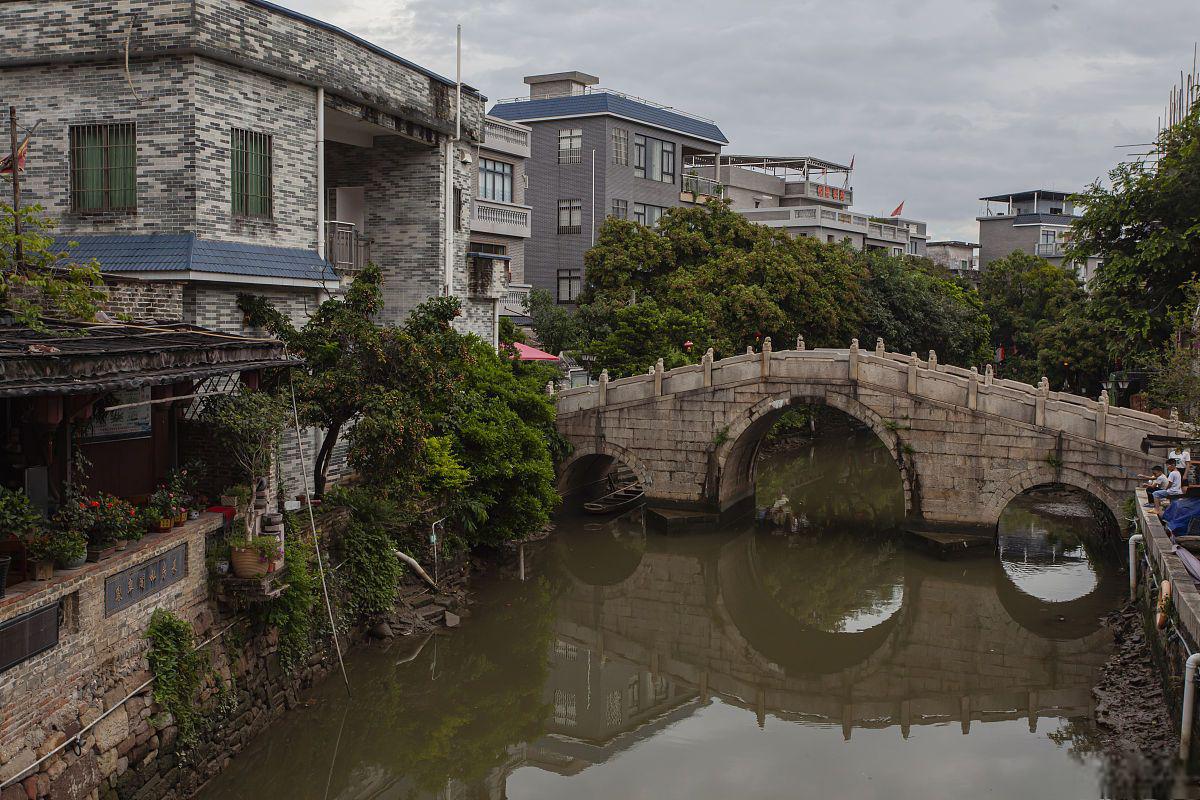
x,y
1034,221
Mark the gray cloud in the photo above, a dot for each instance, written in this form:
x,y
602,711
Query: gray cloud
x,y
941,101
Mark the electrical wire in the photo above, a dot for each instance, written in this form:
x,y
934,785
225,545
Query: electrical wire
x,y
312,523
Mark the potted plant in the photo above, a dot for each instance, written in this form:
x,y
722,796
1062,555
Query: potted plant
x,y
160,510
38,551
253,556
114,524
68,548
20,519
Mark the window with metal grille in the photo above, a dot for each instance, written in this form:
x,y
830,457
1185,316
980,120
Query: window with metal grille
x,y
569,283
570,145
250,173
620,146
620,209
570,216
104,167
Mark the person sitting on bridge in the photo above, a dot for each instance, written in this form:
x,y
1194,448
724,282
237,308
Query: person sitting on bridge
x,y
1174,487
1154,481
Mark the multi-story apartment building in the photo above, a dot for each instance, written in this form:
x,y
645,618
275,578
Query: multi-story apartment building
x,y
594,153
1037,222
214,147
795,194
961,258
500,219
234,145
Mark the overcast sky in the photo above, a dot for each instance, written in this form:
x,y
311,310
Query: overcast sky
x,y
940,101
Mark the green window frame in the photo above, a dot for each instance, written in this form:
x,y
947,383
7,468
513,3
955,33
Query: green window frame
x,y
251,173
103,161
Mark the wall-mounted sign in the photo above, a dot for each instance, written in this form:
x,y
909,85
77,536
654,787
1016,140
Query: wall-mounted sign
x,y
831,193
150,577
124,423
25,636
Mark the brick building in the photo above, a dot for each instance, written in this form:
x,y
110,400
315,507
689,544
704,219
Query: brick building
x,y
594,153
227,146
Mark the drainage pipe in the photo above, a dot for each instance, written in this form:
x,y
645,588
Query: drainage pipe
x,y
1189,702
1133,565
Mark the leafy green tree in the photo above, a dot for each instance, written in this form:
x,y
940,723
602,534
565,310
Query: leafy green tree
x,y
45,280
709,275
1146,227
557,329
915,307
383,377
1038,314
640,333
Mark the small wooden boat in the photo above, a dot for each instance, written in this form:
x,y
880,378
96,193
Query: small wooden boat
x,y
621,499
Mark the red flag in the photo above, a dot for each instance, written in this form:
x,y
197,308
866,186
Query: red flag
x,y
898,210
22,151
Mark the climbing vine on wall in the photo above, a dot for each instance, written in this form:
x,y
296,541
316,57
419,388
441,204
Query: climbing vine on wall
x,y
179,669
294,612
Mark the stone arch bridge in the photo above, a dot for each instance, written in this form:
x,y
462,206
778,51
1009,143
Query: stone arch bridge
x,y
965,443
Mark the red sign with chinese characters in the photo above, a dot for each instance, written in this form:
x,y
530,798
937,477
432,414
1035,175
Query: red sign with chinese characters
x,y
831,193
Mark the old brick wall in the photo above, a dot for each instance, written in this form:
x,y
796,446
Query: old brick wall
x,y
143,301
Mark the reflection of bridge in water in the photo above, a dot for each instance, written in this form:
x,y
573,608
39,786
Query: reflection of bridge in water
x,y
640,649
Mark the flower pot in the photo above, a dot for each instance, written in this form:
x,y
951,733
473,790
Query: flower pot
x,y
99,553
122,544
247,563
74,563
43,570
193,514
164,524
181,518
5,561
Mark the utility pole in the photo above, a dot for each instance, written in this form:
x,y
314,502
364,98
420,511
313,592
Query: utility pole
x,y
19,261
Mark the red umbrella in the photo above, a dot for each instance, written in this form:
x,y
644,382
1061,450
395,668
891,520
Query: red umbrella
x,y
527,353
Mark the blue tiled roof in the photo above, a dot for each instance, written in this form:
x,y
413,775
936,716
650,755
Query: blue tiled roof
x,y
607,103
186,252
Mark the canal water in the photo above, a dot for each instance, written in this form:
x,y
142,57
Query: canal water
x,y
803,653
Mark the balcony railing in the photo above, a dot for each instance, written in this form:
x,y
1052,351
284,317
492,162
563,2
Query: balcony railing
x,y
700,186
504,219
515,296
506,137
1050,249
345,248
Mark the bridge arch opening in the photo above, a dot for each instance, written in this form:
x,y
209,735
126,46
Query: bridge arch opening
x,y
587,471
739,457
1059,556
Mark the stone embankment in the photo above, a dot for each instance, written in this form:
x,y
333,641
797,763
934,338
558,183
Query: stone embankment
x,y
92,692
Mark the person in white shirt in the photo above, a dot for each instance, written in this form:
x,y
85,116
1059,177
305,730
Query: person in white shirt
x,y
1154,481
1182,457
1173,489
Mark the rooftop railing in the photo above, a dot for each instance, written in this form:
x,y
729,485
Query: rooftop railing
x,y
602,90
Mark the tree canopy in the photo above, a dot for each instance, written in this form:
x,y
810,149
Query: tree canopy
x,y
46,280
710,276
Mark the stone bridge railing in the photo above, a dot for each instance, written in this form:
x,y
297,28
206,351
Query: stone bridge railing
x,y
890,372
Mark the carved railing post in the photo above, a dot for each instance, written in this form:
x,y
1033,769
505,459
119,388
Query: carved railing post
x,y
706,364
800,342
933,360
1039,404
603,387
913,362
880,350
749,349
853,361
989,375
973,389
1102,415
658,373
766,357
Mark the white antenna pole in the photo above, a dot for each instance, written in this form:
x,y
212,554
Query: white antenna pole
x,y
458,84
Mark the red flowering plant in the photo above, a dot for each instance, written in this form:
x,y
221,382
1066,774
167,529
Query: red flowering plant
x,y
113,520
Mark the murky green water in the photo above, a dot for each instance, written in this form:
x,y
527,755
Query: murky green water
x,y
805,655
